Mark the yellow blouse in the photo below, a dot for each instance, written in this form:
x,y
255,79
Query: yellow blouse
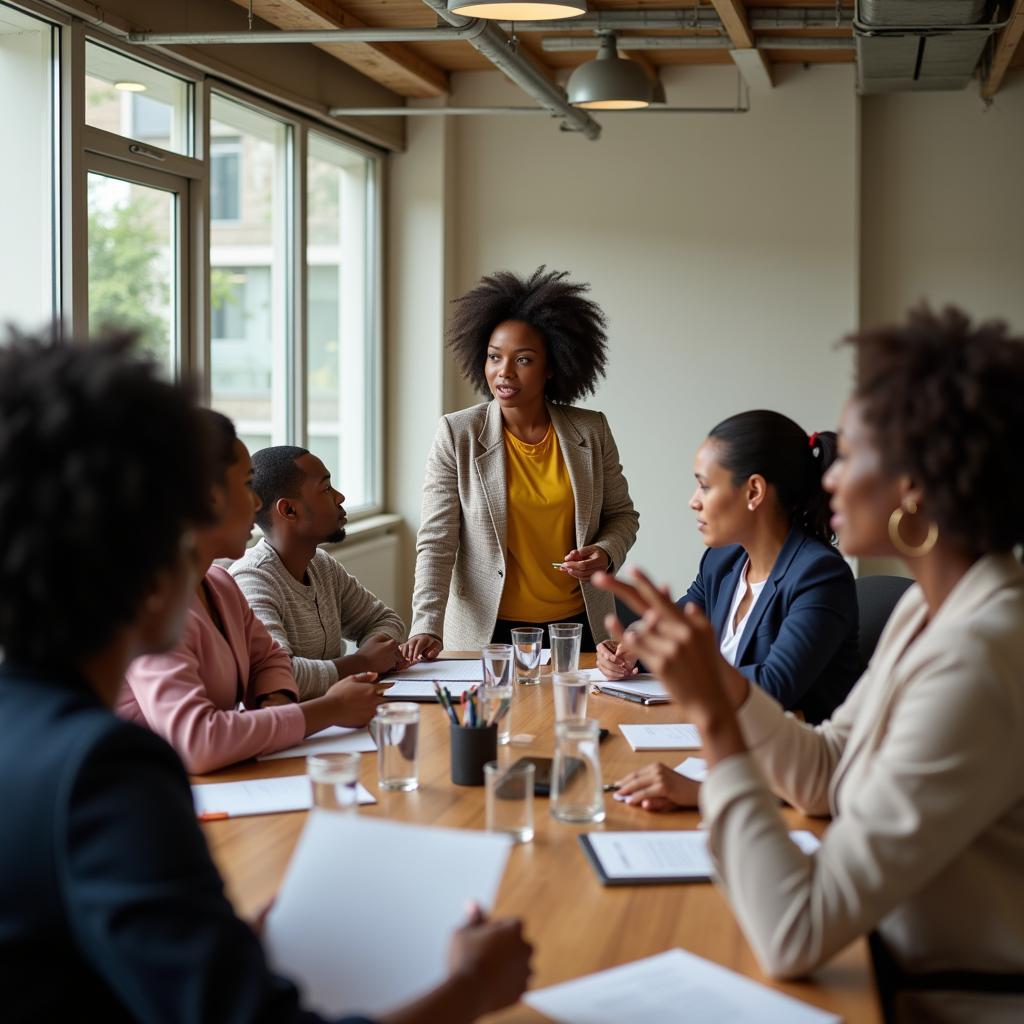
x,y
541,530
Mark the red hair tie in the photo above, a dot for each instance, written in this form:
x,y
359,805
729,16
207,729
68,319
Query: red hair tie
x,y
812,439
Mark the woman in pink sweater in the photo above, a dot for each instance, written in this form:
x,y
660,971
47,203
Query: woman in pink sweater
x,y
226,692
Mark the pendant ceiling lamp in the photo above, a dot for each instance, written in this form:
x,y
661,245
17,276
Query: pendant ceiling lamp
x,y
609,82
518,10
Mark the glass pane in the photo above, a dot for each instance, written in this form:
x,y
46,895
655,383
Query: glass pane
x,y
341,364
249,280
132,259
132,99
28,52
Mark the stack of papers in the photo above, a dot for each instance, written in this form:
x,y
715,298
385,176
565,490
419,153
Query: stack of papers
x,y
353,947
259,796
672,986
675,736
335,739
417,681
661,857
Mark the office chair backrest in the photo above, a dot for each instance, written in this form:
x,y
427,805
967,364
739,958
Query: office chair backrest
x,y
876,598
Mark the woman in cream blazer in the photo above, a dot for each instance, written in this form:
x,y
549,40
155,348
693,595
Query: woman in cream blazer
x,y
485,562
922,768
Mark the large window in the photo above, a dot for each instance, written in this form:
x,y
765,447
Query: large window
x,y
28,183
136,100
341,370
134,258
236,237
250,274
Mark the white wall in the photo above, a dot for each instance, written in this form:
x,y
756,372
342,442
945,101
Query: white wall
x,y
944,203
724,249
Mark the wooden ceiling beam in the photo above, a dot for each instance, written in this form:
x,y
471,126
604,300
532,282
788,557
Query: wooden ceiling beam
x,y
1006,46
393,65
733,16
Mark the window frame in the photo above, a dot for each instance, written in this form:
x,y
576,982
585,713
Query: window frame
x,y
77,146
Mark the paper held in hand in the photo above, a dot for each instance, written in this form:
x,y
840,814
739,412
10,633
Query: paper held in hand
x,y
352,946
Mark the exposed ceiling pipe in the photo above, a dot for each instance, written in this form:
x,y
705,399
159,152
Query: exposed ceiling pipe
x,y
511,111
560,45
694,18
494,45
344,35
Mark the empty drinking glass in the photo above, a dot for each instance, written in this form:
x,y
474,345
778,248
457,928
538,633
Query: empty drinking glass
x,y
335,781
577,795
565,646
527,645
510,799
397,728
570,690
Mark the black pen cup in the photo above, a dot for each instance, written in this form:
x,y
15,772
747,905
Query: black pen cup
x,y
471,750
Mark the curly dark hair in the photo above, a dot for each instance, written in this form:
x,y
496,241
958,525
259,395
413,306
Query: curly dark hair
x,y
572,326
102,467
945,398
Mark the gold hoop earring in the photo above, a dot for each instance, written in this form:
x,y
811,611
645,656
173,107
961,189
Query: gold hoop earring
x,y
899,543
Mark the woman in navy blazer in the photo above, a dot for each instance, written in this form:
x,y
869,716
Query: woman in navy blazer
x,y
779,595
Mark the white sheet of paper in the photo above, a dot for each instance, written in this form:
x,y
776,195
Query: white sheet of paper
x,y
545,656
443,670
335,739
654,990
695,768
673,736
260,796
664,854
412,688
364,915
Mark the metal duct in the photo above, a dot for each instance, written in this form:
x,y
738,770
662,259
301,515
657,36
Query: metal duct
x,y
906,45
561,44
494,45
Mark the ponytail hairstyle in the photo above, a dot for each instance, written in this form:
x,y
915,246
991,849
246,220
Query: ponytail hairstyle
x,y
771,445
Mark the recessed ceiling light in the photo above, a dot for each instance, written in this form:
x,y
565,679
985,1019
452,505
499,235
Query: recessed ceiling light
x,y
130,86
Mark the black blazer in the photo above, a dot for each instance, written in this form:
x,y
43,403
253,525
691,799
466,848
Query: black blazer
x,y
800,641
110,906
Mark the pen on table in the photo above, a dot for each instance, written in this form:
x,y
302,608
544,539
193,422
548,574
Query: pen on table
x,y
213,815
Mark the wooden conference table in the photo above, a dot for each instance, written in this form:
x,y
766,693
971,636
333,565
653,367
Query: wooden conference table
x,y
577,926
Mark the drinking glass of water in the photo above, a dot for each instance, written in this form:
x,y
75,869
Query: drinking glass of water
x,y
527,645
335,781
397,732
565,646
570,690
498,661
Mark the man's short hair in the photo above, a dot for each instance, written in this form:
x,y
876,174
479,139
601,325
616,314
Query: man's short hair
x,y
275,475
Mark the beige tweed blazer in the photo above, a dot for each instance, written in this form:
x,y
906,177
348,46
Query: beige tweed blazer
x,y
460,548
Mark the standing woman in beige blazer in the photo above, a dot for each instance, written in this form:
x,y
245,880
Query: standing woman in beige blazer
x,y
922,768
525,480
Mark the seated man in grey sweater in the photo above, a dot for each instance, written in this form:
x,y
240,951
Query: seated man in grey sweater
x,y
304,597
